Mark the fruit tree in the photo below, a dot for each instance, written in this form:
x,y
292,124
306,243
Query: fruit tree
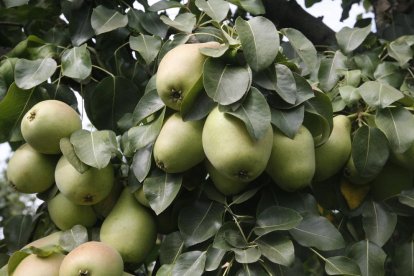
x,y
227,137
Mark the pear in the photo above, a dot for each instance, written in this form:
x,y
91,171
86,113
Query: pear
x,y
140,196
29,171
86,188
46,123
226,185
130,228
39,266
332,156
391,180
230,149
65,214
180,71
405,159
104,207
49,240
92,258
178,146
292,162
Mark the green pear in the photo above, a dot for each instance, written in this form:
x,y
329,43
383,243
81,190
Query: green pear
x,y
104,207
130,228
49,240
46,123
39,266
29,171
65,214
180,71
178,146
292,162
231,150
391,180
405,159
86,188
140,196
226,185
351,173
332,156
92,258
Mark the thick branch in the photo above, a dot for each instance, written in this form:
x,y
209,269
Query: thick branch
x,y
285,14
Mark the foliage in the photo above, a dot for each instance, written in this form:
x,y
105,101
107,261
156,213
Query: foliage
x,y
108,52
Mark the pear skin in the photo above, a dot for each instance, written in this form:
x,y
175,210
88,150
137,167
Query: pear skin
x,y
130,228
65,214
39,266
92,258
178,146
46,123
292,162
230,149
226,185
29,171
332,156
86,188
179,71
140,196
49,240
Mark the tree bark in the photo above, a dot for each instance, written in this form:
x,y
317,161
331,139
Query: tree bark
x,y
285,14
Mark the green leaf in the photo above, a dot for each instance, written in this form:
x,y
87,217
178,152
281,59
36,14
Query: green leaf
x,y
17,231
350,38
147,22
401,49
389,73
76,63
200,221
104,20
397,124
161,189
171,247
12,109
6,75
141,162
190,264
30,73
288,121
14,261
285,84
94,148
81,29
214,258
370,150
276,218
341,265
72,238
303,48
406,197
215,52
225,83
278,249
216,9
68,151
260,41
248,255
147,46
367,63
164,5
228,232
245,196
184,22
255,113
14,3
379,94
369,257
349,94
329,71
378,223
200,108
319,232
254,7
404,258
110,100
149,103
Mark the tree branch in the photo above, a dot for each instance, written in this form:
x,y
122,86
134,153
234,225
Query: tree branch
x,y
290,14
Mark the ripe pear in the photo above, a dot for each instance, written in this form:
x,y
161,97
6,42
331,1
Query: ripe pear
x,y
46,123
65,214
405,159
391,180
332,156
230,149
86,188
180,71
226,185
130,228
178,146
29,171
292,162
351,173
39,266
92,258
